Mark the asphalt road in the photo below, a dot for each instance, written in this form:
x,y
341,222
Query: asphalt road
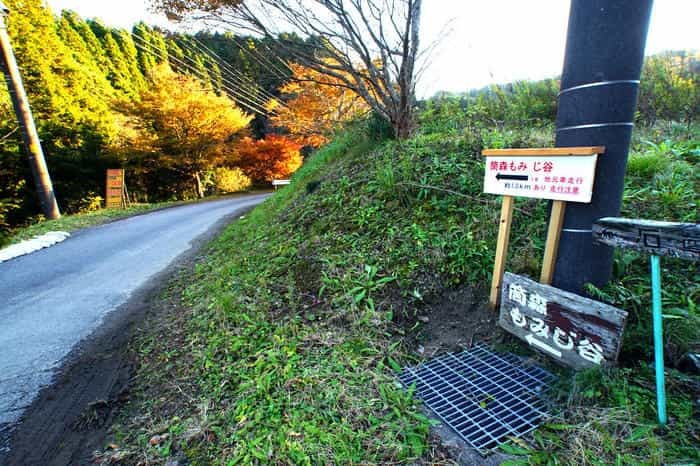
x,y
52,299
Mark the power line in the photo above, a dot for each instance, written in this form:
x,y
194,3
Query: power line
x,y
276,71
226,76
160,53
232,70
250,95
246,95
253,105
163,54
225,66
279,59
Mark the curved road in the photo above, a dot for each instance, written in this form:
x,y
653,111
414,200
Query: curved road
x,y
52,299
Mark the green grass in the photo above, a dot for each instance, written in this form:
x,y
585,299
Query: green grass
x,y
296,322
609,417
70,223
288,370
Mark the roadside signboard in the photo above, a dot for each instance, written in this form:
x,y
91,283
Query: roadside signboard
x,y
576,331
681,240
277,183
115,189
559,174
547,175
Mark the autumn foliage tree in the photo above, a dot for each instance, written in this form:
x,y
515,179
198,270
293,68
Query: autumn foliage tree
x,y
370,47
313,111
188,126
264,160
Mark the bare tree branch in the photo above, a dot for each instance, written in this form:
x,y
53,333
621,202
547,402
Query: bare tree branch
x,y
369,47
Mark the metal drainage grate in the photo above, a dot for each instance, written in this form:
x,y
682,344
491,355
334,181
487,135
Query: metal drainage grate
x,y
482,396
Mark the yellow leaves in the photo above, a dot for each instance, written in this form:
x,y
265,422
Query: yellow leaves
x,y
318,104
273,105
186,121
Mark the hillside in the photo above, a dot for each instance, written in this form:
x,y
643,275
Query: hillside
x,y
280,342
283,346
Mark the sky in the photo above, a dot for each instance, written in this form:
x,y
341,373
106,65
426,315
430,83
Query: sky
x,y
487,41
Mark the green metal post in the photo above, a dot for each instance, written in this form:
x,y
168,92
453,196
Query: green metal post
x,y
658,339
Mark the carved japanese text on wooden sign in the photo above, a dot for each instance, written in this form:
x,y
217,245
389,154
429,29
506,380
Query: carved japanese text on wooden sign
x,y
658,238
574,330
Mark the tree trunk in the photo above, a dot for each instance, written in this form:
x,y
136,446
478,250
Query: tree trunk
x,y
198,185
403,123
402,129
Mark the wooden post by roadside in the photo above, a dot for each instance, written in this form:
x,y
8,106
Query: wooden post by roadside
x,y
556,220
501,248
40,171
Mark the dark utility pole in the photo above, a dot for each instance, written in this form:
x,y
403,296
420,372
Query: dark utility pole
x,y
40,171
597,102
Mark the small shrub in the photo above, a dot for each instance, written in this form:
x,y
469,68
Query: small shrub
x,y
231,180
646,164
312,186
90,203
378,128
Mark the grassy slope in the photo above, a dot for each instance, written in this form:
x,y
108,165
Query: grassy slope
x,y
302,310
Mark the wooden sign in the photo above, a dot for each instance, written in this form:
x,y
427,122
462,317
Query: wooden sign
x,y
680,240
115,189
559,174
562,173
576,331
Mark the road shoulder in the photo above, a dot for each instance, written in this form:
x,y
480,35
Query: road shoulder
x,y
69,419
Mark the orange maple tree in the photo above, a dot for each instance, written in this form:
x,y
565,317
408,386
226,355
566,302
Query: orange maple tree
x,y
317,105
264,160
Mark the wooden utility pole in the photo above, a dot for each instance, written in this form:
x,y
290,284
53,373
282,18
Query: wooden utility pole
x,y
42,179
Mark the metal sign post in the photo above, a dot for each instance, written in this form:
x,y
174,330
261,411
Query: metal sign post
x,y
681,240
658,339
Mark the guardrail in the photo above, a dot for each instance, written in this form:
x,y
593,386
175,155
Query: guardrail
x,y
277,183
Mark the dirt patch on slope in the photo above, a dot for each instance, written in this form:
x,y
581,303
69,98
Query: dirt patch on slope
x,y
455,320
70,419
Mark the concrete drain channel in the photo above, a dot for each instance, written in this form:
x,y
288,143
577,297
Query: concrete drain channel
x,y
483,396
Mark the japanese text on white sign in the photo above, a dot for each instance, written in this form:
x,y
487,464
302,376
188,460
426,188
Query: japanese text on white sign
x,y
556,178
